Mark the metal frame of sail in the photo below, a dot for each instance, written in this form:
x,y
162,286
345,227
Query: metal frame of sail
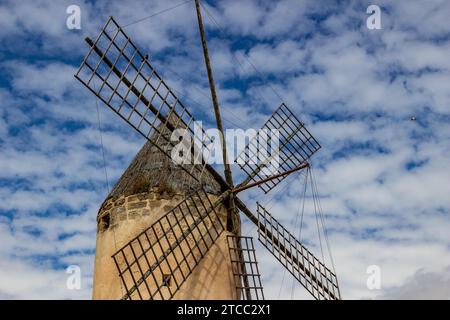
x,y
115,60
174,244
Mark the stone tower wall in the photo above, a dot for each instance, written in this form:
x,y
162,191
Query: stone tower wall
x,y
121,218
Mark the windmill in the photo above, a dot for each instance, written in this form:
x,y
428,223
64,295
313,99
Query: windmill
x,y
175,249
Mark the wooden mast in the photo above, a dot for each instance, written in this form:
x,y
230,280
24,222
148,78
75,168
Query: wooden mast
x,y
233,222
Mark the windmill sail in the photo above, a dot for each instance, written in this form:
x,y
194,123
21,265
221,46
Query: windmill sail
x,y
245,268
295,146
122,77
155,263
312,274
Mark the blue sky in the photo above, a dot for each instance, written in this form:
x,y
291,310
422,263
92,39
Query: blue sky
x,y
384,179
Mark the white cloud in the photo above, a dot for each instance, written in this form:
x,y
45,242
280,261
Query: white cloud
x,y
421,286
243,17
284,57
52,79
22,281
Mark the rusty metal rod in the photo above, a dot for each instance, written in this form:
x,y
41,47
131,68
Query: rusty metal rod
x,y
257,183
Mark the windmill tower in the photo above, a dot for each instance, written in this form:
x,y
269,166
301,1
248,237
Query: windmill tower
x,y
171,229
151,186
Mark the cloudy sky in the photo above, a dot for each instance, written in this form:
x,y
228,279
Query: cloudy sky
x,y
384,180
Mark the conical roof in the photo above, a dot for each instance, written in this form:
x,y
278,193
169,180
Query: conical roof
x,y
153,168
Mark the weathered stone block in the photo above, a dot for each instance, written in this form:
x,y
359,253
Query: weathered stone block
x,y
133,198
118,210
133,215
154,204
145,212
137,205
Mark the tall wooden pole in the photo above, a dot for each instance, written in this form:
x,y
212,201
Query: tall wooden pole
x,y
228,175
233,221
